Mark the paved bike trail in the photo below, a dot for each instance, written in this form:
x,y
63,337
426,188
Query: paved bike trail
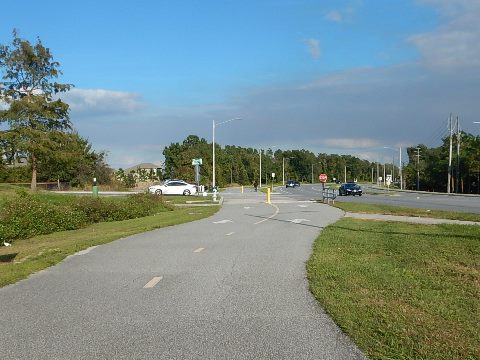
x,y
231,286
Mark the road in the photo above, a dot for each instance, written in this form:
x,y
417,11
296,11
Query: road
x,y
421,200
231,286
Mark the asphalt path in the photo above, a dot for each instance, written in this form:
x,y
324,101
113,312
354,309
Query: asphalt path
x,y
231,286
419,200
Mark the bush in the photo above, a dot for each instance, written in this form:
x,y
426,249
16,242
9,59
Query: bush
x,y
24,217
28,215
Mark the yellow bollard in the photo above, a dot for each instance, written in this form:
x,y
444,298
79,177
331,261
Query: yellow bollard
x,y
268,196
242,189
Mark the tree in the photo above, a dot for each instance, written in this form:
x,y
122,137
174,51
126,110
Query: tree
x,y
37,121
74,161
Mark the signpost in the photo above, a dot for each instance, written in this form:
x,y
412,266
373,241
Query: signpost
x,y
389,181
197,163
322,177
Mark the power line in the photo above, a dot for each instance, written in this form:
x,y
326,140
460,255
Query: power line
x,y
439,134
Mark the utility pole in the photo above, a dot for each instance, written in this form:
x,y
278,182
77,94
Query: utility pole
x,y
378,173
458,156
393,168
450,155
400,168
260,180
384,181
418,168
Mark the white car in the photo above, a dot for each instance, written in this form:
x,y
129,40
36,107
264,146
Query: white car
x,y
173,187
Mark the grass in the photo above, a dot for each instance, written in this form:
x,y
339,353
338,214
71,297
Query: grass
x,y
397,210
180,199
31,255
401,291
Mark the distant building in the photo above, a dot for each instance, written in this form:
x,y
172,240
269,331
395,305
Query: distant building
x,y
22,161
145,172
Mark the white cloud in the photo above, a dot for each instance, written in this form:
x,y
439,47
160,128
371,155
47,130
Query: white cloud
x,y
102,102
455,43
313,47
344,14
335,16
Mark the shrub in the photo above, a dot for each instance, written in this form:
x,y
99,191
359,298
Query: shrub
x,y
28,215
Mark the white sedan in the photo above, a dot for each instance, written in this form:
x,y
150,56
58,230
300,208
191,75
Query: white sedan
x,y
173,187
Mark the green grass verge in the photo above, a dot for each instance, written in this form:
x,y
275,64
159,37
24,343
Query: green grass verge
x,y
180,199
31,255
397,210
401,291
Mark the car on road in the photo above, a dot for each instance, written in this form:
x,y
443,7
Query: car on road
x,y
292,184
350,188
173,187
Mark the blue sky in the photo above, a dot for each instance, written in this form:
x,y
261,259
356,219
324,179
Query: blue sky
x,y
347,76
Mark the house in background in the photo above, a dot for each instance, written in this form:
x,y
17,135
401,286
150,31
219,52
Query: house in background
x,y
144,174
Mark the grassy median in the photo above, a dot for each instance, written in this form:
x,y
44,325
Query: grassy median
x,y
401,291
398,210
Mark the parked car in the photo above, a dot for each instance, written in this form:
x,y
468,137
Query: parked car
x,y
350,188
173,187
291,183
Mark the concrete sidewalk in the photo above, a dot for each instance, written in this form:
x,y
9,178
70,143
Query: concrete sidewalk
x,y
410,219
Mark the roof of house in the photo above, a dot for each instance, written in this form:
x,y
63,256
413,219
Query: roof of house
x,y
142,166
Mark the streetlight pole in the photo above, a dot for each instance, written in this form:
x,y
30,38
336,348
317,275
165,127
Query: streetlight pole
x,y
213,146
288,158
399,165
266,175
213,154
312,169
400,168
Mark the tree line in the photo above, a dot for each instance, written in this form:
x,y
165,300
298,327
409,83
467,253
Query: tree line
x,y
238,165
428,168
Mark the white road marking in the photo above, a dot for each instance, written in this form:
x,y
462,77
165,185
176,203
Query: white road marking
x,y
198,250
153,282
271,216
222,221
230,233
302,206
298,221
246,207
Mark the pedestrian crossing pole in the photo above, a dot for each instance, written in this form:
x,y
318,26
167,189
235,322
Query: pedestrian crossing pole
x,y
95,187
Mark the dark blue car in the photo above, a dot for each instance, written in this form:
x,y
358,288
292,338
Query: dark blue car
x,y
350,189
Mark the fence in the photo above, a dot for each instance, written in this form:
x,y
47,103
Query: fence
x,y
329,194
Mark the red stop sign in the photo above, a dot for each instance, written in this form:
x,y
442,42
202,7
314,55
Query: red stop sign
x,y
322,177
